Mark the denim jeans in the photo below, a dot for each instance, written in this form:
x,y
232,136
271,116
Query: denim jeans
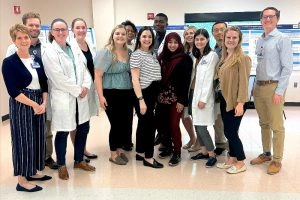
x,y
61,139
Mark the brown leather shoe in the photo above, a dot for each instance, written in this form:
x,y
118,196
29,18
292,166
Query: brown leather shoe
x,y
274,167
260,159
83,165
63,173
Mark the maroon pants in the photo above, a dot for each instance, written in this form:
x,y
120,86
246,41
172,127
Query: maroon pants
x,y
168,126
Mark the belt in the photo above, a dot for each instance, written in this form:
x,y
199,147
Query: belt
x,y
262,83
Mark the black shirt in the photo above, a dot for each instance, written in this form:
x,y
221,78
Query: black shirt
x,y
90,64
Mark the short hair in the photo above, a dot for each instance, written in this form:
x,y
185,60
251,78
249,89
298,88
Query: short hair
x,y
277,12
30,15
129,23
218,22
162,15
50,36
18,28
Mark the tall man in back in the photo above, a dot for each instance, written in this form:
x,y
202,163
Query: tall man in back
x,y
221,143
274,68
32,21
160,26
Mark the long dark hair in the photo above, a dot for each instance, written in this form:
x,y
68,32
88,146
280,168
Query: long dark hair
x,y
138,42
207,48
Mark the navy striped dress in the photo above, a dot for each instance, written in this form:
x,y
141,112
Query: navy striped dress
x,y
27,129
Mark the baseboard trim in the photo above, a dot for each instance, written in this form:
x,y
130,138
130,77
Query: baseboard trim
x,y
251,104
5,117
292,104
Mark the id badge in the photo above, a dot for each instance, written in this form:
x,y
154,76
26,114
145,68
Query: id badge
x,y
35,65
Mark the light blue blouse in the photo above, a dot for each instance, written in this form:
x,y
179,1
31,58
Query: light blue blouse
x,y
116,73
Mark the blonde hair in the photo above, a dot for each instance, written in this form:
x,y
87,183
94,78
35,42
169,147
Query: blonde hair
x,y
18,28
235,57
186,45
111,45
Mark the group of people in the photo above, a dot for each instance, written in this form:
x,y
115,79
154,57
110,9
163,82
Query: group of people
x,y
156,74
56,79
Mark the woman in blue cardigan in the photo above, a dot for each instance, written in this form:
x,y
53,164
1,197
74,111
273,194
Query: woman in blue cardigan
x,y
26,84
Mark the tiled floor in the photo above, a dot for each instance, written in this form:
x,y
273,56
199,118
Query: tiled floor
x,y
190,180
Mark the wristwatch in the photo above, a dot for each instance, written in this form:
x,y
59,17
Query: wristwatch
x,y
140,98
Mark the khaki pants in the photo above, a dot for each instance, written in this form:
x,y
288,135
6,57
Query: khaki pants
x,y
270,120
220,139
49,143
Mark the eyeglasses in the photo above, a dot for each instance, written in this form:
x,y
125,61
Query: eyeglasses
x,y
59,30
216,30
268,16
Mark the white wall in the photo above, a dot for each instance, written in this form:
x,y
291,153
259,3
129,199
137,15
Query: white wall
x,y
117,11
107,14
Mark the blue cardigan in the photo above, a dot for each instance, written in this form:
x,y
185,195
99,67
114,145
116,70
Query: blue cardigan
x,y
17,77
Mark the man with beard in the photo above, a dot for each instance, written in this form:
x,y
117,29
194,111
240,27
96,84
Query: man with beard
x,y
32,21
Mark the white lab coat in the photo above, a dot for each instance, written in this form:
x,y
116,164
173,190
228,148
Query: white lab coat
x,y
92,93
204,90
65,87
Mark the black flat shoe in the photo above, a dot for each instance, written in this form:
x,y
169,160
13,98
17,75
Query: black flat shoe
x,y
175,160
51,163
219,151
155,164
139,157
200,156
43,178
92,156
165,154
35,189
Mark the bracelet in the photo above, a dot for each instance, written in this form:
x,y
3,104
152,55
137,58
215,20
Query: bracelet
x,y
140,98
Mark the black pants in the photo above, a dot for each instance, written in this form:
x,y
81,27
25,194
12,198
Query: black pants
x,y
119,113
231,131
128,134
145,132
